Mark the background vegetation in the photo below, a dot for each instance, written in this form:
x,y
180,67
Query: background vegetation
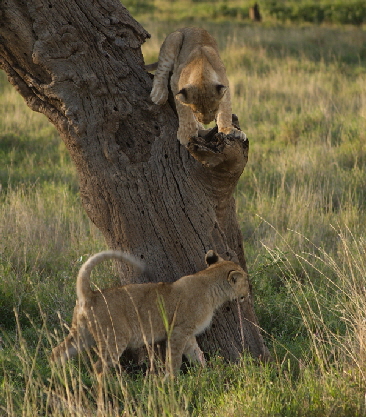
x,y
300,94
351,12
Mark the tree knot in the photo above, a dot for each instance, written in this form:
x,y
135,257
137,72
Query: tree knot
x,y
218,151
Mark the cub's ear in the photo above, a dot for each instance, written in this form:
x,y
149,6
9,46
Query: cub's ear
x,y
221,90
233,277
182,95
211,257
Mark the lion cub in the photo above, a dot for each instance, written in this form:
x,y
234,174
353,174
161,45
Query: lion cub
x,y
129,316
198,82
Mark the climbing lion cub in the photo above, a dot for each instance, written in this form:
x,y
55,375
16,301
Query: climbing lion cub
x,y
129,316
198,82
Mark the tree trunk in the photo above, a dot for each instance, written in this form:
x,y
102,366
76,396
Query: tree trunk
x,y
80,63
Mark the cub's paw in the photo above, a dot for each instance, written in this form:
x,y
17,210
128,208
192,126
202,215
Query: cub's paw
x,y
183,139
185,133
159,94
233,131
239,134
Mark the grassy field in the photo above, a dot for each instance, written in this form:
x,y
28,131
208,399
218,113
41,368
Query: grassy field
x,y
300,94
350,12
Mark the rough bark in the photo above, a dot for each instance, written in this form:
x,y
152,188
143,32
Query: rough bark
x,y
79,63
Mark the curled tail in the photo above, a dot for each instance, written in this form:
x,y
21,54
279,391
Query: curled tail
x,y
83,289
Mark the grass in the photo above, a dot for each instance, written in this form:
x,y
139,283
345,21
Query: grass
x,y
300,94
352,12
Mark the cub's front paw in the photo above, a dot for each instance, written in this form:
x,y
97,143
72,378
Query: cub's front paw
x,y
238,134
184,134
234,132
159,94
183,139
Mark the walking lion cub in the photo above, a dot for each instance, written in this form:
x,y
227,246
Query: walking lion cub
x,y
198,82
129,316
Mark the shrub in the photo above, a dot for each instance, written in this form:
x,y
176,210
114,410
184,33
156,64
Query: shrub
x,y
353,13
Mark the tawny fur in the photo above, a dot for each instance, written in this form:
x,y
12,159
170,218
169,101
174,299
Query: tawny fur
x,y
198,82
129,316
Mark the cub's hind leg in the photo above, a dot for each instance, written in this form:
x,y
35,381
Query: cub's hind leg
x,y
78,340
110,349
68,349
168,52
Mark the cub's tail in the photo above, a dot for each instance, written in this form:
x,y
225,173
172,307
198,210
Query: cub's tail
x,y
83,289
